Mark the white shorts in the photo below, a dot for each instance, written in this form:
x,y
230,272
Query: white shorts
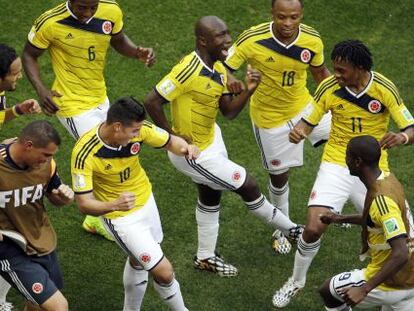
x,y
278,154
80,124
334,185
396,300
139,234
213,167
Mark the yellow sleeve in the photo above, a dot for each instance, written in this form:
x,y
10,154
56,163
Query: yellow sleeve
x,y
385,213
170,87
40,35
236,57
153,136
82,173
118,20
2,117
399,112
318,59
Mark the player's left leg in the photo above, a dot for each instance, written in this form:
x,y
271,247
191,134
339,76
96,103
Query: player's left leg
x,y
4,289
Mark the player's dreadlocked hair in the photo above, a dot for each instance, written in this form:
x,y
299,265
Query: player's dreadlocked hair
x,y
354,52
300,1
7,56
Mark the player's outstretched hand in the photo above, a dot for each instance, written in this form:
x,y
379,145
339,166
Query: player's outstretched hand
x,y
354,295
125,201
329,218
392,139
46,101
191,152
29,106
234,85
253,78
296,135
146,55
64,192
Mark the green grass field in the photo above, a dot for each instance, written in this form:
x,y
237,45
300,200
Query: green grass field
x,y
93,267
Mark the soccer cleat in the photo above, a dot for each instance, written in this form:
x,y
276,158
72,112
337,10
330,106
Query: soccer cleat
x,y
216,265
280,243
295,233
283,296
94,225
6,306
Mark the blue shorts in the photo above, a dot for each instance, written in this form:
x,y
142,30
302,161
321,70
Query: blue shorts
x,y
37,278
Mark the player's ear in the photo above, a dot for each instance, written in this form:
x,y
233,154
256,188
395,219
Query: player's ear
x,y
116,126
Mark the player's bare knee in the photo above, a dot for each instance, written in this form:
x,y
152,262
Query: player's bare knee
x,y
279,180
250,190
57,302
163,272
311,234
324,289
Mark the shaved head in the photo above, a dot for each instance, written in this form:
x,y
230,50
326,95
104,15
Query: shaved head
x,y
206,25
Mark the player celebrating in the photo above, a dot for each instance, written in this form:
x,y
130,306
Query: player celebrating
x,y
109,182
27,238
282,51
361,102
196,87
387,231
77,35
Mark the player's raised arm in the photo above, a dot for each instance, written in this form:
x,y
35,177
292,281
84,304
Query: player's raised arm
x,y
31,67
230,106
154,105
123,45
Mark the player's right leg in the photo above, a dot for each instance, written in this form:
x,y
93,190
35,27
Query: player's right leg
x,y
57,302
4,289
76,127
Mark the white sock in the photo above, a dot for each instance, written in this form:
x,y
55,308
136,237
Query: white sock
x,y
344,307
4,289
303,259
208,227
262,208
135,284
280,197
171,294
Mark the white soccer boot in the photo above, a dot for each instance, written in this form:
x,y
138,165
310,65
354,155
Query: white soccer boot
x,y
283,296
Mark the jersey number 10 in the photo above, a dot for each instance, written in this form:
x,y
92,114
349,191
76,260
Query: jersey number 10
x,y
125,174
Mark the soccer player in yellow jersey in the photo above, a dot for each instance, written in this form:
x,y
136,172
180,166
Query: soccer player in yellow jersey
x,y
388,235
109,182
361,102
196,88
10,73
77,35
282,50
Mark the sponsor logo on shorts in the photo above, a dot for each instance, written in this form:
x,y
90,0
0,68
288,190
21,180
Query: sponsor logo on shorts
x,y
374,106
37,288
313,195
391,225
135,148
107,27
275,162
145,257
236,176
305,56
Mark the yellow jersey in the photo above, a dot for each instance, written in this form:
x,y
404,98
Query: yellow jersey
x,y
2,107
78,53
194,91
386,224
107,171
282,93
366,113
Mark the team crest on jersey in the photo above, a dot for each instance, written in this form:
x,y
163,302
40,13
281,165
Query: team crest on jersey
x,y
305,56
145,257
374,106
275,162
135,148
107,27
236,176
37,288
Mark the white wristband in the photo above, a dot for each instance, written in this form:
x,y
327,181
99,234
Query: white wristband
x,y
407,139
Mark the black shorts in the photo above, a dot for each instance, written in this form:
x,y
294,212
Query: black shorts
x,y
37,278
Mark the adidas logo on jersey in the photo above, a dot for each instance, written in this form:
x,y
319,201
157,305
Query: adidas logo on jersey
x,y
270,59
340,107
69,36
208,86
108,167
